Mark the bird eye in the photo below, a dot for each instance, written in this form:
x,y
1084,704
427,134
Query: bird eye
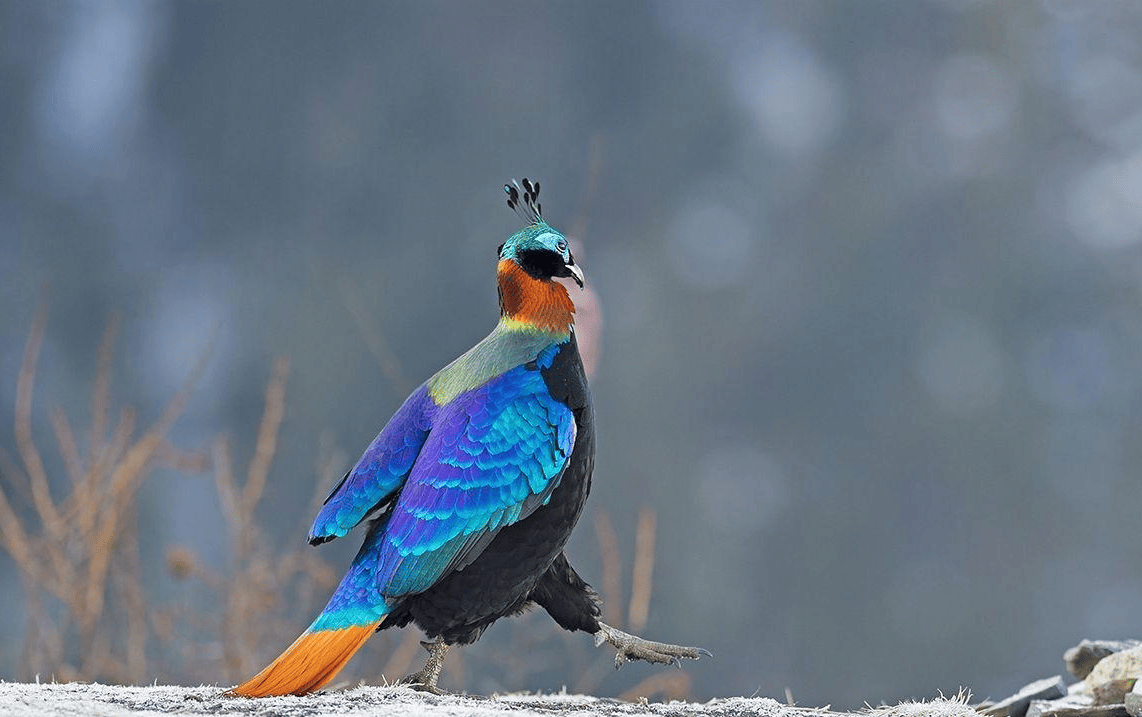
x,y
562,245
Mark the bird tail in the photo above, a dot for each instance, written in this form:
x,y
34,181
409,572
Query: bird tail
x,y
308,664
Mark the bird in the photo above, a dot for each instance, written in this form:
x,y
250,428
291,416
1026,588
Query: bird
x,y
472,489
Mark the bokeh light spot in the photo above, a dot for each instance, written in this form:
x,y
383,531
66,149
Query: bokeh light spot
x,y
959,364
975,97
711,247
1104,209
794,98
743,488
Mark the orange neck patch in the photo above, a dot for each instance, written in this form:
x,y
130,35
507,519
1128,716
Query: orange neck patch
x,y
543,304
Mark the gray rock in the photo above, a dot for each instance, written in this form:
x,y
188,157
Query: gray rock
x,y
1133,700
1074,706
1114,676
1078,688
1082,658
1016,705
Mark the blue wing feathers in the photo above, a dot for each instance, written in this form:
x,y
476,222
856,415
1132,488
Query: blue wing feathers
x,y
381,470
492,457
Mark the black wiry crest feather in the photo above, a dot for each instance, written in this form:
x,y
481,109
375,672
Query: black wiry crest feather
x,y
524,200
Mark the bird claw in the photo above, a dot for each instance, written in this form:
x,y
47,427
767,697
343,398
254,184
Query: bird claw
x,y
424,679
422,687
631,647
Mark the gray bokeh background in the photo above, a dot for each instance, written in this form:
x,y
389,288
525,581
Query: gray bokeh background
x,y
871,275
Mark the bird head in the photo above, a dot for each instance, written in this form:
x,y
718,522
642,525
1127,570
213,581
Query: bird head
x,y
542,252
530,260
538,249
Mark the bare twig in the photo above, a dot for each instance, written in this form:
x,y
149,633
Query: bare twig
x,y
642,571
225,483
25,444
131,587
101,393
267,436
612,581
121,487
65,439
258,578
15,539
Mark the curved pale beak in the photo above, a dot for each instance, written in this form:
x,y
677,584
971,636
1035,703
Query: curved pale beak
x,y
576,274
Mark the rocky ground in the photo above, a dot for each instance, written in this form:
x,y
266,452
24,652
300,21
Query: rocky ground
x,y
65,700
1107,686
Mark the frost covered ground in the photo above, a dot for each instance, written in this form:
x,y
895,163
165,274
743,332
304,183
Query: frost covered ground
x,y
64,700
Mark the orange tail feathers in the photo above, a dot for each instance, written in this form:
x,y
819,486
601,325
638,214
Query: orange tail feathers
x,y
308,664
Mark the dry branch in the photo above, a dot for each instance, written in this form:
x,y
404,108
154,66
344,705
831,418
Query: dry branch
x,y
611,584
78,548
642,572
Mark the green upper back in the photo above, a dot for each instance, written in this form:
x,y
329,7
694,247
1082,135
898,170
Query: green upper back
x,y
509,345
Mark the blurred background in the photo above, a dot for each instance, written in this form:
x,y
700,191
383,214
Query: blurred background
x,y
870,277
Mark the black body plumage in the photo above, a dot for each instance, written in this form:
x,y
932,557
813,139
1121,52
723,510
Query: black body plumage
x,y
524,564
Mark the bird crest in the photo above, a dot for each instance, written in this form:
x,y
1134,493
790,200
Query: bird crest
x,y
523,199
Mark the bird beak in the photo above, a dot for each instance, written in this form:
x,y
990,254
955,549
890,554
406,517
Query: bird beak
x,y
576,274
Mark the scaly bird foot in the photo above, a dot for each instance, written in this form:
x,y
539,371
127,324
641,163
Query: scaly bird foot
x,y
633,647
422,687
424,679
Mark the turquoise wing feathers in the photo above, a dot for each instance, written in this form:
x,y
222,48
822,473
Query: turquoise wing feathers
x,y
380,472
492,457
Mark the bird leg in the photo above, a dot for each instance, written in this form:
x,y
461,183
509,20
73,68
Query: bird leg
x,y
425,678
633,647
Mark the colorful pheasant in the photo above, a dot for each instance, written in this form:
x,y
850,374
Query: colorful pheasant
x,y
473,488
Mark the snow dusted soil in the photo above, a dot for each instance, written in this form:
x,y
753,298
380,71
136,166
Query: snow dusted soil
x,y
20,700
65,700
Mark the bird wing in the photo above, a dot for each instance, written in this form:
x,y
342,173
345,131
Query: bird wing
x,y
493,457
380,472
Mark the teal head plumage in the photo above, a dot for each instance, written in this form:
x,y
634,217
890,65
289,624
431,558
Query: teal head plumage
x,y
542,252
539,249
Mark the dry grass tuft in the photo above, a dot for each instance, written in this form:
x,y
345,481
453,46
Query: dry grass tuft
x,y
257,590
89,617
955,706
78,555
